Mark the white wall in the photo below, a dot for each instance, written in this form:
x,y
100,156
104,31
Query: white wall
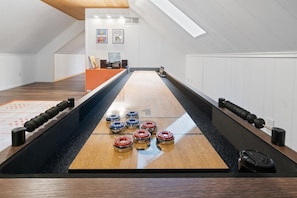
x,y
16,70
20,69
45,57
264,84
143,47
67,65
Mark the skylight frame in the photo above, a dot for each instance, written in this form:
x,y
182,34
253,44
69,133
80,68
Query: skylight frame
x,y
179,17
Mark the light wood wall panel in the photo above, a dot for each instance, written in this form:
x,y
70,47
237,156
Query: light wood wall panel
x,y
76,8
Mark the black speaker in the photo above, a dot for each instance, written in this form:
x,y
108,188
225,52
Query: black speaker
x,y
103,64
278,136
124,63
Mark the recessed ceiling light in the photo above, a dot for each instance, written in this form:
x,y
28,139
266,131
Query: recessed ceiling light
x,y
179,17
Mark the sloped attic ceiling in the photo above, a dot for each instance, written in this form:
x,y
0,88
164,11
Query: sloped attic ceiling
x,y
233,26
26,26
76,46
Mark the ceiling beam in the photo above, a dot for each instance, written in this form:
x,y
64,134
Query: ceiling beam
x,y
76,8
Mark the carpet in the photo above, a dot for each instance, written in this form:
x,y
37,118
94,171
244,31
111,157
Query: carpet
x,y
15,113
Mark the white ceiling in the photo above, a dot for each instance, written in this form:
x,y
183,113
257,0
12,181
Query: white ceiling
x,y
26,26
233,26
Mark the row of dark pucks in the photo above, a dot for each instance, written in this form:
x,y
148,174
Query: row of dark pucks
x,y
241,112
42,118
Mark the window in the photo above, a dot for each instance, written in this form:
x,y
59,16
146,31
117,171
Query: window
x,y
179,17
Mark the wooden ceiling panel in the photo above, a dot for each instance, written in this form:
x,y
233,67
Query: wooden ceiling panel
x,y
76,8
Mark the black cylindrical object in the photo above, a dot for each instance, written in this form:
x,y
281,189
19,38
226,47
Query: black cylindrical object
x,y
251,118
62,105
71,102
244,114
222,102
30,125
45,116
18,136
52,112
278,136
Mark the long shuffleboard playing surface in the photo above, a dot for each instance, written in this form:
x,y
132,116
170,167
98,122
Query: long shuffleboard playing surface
x,y
147,94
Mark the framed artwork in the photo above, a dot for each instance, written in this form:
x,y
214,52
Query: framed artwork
x,y
118,36
102,36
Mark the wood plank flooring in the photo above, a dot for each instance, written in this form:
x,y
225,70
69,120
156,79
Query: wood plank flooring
x,y
73,87
149,187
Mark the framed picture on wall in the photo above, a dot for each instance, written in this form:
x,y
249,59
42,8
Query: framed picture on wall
x,y
102,36
118,36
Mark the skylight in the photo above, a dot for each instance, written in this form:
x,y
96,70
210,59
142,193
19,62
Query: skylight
x,y
179,17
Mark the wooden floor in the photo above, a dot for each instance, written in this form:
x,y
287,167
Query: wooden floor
x,y
73,87
149,187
